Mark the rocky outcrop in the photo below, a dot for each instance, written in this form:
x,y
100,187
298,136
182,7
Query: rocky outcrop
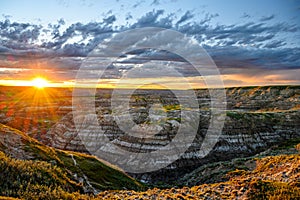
x,y
64,135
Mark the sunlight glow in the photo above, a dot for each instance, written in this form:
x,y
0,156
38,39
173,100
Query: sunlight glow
x,y
39,82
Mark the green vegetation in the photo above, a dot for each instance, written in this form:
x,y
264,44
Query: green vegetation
x,y
53,173
235,115
101,176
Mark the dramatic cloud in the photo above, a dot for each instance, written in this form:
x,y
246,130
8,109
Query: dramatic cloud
x,y
18,35
251,45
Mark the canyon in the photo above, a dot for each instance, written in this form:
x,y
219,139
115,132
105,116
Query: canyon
x,y
255,119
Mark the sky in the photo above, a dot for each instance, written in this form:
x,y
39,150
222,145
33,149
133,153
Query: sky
x,y
251,42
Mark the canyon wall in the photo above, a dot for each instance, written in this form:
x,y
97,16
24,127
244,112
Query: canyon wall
x,y
257,118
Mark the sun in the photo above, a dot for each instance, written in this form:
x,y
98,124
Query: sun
x,y
39,82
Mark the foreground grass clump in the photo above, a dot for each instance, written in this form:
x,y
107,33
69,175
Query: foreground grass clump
x,y
22,177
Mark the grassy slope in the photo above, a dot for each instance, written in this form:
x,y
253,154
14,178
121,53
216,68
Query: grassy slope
x,y
55,169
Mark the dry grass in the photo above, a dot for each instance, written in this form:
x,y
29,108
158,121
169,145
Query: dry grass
x,y
275,177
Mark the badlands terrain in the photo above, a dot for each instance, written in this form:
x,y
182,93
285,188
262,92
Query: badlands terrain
x,y
255,156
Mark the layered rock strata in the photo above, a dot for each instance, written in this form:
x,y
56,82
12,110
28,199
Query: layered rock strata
x,y
257,118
